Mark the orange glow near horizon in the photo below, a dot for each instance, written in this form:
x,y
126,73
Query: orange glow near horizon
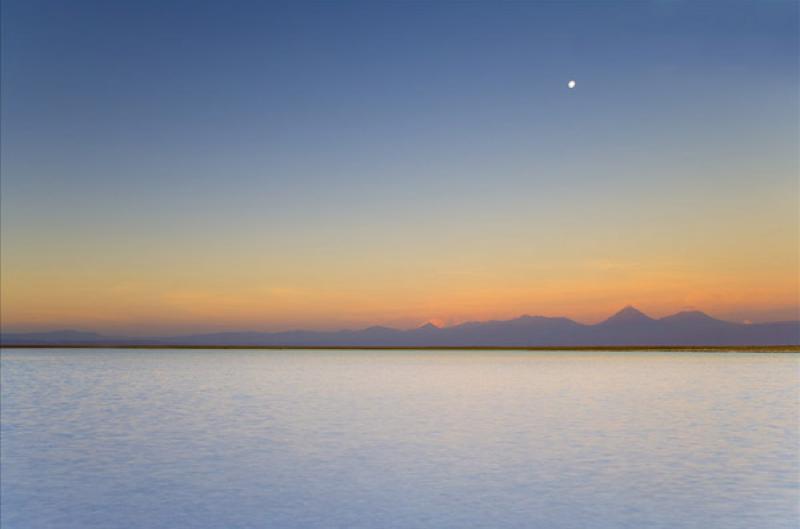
x,y
124,301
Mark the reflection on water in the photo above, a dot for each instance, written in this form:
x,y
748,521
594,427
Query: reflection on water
x,y
339,439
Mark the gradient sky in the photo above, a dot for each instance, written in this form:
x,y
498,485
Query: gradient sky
x,y
184,166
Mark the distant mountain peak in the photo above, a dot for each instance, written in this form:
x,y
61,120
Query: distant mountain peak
x,y
428,327
527,317
629,314
686,316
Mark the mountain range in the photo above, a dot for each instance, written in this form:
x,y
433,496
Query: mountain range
x,y
628,327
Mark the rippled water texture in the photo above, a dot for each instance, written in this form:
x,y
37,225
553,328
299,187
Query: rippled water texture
x,y
375,439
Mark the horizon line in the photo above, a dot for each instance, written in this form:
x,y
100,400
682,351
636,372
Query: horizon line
x,y
789,348
426,324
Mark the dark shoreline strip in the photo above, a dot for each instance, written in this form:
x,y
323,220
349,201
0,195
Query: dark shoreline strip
x,y
677,348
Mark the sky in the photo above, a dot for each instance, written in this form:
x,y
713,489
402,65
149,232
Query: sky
x,y
175,166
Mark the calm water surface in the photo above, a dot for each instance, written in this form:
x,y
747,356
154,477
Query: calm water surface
x,y
339,439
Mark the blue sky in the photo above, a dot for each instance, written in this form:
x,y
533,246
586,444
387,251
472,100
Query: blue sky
x,y
143,140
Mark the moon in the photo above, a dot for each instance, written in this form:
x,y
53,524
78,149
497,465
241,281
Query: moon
x,y
571,83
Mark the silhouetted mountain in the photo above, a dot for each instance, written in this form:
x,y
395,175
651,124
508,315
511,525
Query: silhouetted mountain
x,y
690,316
627,327
628,316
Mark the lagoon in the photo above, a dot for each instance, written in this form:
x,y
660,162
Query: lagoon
x,y
310,439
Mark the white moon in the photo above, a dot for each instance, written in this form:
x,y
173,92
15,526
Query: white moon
x,y
571,83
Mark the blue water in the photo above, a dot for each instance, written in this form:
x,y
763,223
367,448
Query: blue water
x,y
376,439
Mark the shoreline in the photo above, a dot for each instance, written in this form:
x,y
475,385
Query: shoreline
x,y
610,348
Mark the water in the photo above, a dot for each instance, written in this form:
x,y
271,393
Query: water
x,y
379,439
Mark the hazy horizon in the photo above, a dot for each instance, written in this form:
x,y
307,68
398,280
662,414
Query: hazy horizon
x,y
175,168
438,324
788,314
